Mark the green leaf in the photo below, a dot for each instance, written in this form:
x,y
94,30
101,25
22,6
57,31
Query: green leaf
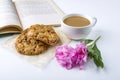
x,y
90,51
97,51
5,35
86,41
96,40
98,62
95,54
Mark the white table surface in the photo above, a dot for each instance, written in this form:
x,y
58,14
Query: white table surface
x,y
108,26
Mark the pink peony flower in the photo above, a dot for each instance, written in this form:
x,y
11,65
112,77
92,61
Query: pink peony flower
x,y
81,53
65,56
69,57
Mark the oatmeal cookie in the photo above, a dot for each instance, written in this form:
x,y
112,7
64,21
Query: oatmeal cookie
x,y
43,33
29,46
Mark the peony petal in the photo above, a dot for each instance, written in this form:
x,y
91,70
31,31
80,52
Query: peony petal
x,y
69,57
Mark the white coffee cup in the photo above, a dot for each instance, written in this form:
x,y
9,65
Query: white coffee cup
x,y
77,32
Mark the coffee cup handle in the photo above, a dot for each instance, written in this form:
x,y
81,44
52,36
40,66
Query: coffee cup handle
x,y
94,21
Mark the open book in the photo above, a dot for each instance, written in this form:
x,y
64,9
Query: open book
x,y
18,15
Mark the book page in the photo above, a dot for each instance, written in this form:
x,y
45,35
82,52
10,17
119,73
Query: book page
x,y
37,12
8,17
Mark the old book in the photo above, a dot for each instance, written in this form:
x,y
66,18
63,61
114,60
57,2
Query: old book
x,y
18,15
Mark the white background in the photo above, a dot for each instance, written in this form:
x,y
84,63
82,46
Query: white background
x,y
108,26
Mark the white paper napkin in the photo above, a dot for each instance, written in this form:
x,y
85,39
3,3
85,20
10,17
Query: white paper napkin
x,y
39,60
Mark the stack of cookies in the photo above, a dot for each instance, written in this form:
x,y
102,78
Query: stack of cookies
x,y
36,39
